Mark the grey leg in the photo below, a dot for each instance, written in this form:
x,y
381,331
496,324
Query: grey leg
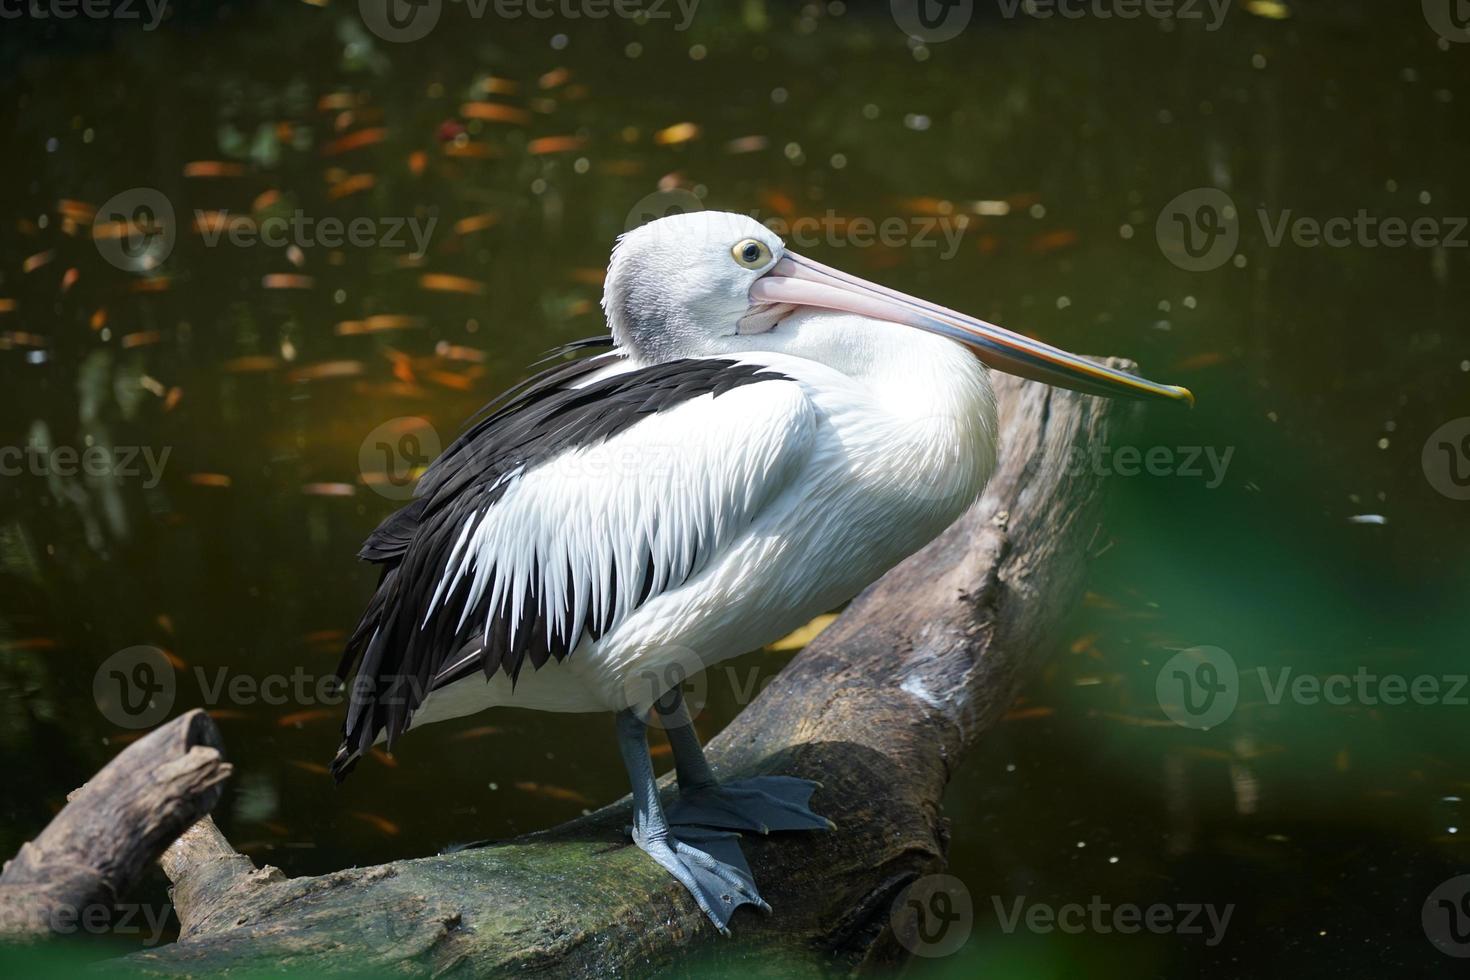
x,y
708,863
760,804
690,767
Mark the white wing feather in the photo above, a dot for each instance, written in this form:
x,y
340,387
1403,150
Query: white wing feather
x,y
674,490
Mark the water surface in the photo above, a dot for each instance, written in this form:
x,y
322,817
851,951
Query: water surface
x,y
1289,521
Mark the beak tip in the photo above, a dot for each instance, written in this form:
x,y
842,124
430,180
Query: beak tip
x,y
1183,394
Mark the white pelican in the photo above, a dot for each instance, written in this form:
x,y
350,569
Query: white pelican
x,y
765,437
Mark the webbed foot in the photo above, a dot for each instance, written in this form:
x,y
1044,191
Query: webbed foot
x,y
710,865
760,804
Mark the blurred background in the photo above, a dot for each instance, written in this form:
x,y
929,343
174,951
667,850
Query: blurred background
x,y
259,261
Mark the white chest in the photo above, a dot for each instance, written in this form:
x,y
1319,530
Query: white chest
x,y
896,460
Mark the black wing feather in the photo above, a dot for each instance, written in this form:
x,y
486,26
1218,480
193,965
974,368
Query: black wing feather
x,y
400,657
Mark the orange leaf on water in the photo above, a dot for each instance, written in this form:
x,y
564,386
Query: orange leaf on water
x,y
355,141
549,792
747,144
476,222
325,370
495,112
439,282
1052,240
250,364
79,211
328,489
554,144
351,185
377,323
213,168
381,824
39,260
678,133
499,86
479,732
287,280
141,338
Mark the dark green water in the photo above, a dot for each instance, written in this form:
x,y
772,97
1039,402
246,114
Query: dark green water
x,y
1325,539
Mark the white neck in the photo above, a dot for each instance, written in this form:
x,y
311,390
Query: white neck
x,y
928,409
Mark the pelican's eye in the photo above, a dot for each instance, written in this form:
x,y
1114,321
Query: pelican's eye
x,y
751,253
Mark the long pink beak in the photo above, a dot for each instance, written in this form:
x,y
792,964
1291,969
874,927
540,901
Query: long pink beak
x,y
798,281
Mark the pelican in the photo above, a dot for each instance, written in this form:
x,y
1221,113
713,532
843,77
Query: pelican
x,y
759,438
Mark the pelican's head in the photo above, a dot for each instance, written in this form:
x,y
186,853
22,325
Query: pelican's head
x,y
711,282
675,286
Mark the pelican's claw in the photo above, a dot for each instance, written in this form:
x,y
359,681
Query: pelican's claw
x,y
710,865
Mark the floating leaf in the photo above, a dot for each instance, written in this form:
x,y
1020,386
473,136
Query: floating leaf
x,y
355,141
549,792
141,338
441,283
79,211
1269,9
381,824
351,185
326,370
554,144
213,168
378,323
328,489
804,635
287,280
499,86
747,144
495,112
476,222
678,133
250,364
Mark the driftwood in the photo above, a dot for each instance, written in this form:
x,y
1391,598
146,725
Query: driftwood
x,y
880,709
72,876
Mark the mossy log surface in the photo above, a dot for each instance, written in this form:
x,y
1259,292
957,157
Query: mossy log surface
x,y
880,709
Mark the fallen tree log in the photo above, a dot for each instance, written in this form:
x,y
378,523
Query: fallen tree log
x,y
72,876
879,709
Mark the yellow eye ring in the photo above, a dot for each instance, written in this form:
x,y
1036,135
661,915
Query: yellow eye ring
x,y
751,253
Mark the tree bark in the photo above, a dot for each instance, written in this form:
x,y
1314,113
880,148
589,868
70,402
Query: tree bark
x,y
879,709
74,873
